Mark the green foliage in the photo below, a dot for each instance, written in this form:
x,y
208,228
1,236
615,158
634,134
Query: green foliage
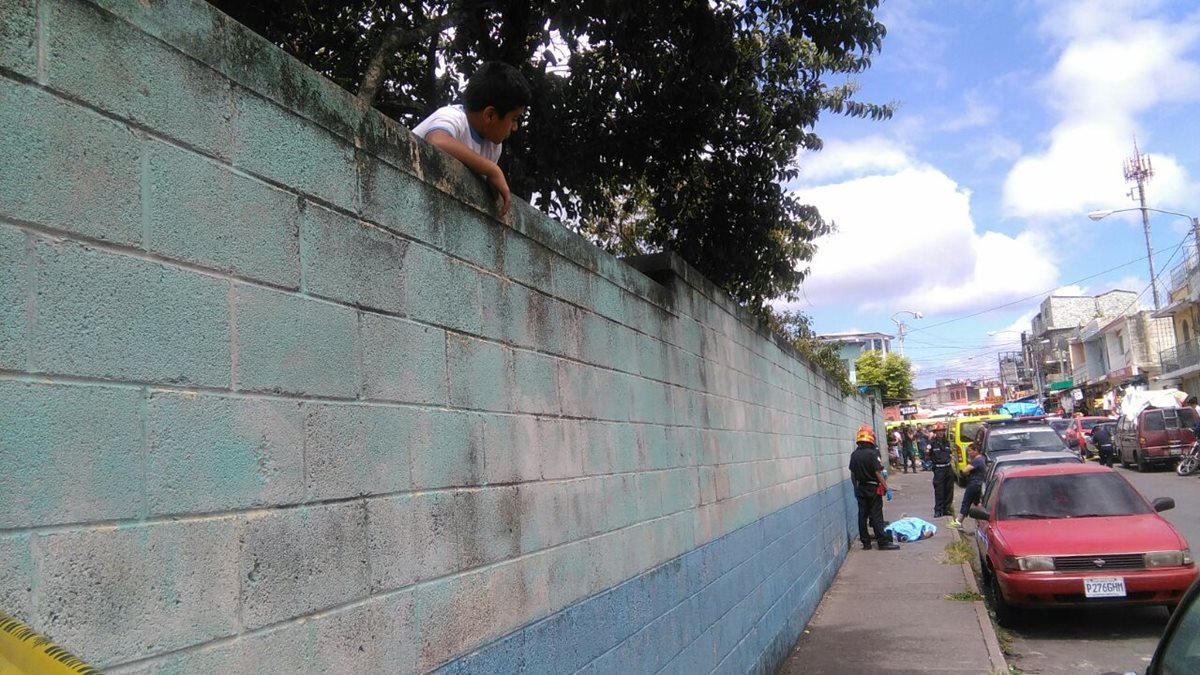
x,y
893,373
797,328
655,125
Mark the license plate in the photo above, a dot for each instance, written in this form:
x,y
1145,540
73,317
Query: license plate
x,y
1176,451
1104,587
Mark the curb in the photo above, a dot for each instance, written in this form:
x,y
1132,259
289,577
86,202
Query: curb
x,y
995,654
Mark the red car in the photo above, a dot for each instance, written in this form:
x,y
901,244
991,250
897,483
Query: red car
x,y
1077,535
1081,430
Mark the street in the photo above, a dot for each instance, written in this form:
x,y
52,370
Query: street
x,y
1100,640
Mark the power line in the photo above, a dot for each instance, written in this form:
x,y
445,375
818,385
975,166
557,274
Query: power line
x,y
1030,297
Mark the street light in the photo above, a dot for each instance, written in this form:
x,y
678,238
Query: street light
x,y
1099,215
902,328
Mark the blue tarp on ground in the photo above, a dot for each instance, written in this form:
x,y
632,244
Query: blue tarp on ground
x,y
1021,409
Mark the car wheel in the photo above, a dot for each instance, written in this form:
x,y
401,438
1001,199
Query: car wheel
x,y
1171,608
1142,466
1006,614
985,572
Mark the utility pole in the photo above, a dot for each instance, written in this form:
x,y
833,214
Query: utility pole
x,y
1139,171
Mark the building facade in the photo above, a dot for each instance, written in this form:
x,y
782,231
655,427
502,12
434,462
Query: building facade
x,y
853,345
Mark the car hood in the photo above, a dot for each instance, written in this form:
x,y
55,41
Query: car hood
x,y
1087,536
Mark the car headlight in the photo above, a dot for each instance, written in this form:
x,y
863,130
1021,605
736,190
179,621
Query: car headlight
x,y
1169,558
1029,563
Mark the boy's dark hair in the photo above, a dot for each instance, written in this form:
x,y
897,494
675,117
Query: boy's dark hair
x,y
499,85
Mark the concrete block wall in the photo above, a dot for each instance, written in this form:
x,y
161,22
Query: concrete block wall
x,y
280,393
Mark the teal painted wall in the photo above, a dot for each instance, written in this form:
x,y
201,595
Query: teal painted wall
x,y
278,387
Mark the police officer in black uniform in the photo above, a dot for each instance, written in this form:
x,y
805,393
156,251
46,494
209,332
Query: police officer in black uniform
x,y
866,473
943,476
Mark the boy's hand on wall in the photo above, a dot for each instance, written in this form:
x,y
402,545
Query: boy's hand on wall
x,y
500,184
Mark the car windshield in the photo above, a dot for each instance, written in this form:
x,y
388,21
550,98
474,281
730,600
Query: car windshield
x,y
1090,424
1078,495
1036,438
1059,424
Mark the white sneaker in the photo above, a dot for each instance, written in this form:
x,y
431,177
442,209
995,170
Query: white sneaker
x,y
954,523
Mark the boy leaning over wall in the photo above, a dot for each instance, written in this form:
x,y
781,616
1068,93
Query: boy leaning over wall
x,y
474,132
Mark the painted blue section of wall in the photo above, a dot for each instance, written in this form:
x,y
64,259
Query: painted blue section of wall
x,y
735,605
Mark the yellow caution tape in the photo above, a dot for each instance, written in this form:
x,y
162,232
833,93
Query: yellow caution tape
x,y
24,652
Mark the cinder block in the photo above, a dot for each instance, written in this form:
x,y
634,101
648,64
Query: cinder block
x,y
69,453
489,525
18,37
292,151
349,261
352,450
374,637
441,290
456,614
153,588
66,167
16,576
446,448
403,361
201,212
470,236
209,453
401,203
527,261
571,283
536,383
295,345
14,292
297,561
481,374
511,448
121,318
562,443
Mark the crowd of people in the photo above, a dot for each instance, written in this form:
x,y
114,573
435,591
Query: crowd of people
x,y
909,448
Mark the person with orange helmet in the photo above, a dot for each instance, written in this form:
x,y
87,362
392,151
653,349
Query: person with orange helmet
x,y
866,474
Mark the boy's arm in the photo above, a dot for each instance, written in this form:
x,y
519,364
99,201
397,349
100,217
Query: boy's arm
x,y
475,162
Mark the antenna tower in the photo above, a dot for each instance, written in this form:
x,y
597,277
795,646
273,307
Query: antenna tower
x,y
1139,171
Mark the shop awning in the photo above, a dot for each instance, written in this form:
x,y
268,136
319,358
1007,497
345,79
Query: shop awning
x,y
1061,384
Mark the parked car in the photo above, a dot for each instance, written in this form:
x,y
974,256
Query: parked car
x,y
999,437
961,431
1154,437
1011,460
1077,535
1079,433
1178,649
1059,425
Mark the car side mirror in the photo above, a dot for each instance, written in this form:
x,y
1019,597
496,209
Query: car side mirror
x,y
1163,503
978,513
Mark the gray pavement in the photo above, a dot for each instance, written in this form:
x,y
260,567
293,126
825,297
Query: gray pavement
x,y
887,611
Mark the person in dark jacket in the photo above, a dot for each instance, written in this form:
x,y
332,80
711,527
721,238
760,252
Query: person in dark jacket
x,y
1102,439
943,476
866,474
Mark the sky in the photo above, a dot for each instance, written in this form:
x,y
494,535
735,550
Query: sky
x,y
1014,120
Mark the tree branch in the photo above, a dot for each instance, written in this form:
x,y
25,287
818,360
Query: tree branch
x,y
393,40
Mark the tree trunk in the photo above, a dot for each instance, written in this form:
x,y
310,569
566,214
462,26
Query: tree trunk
x,y
393,40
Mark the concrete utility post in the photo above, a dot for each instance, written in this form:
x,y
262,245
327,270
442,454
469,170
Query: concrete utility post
x,y
902,328
1098,215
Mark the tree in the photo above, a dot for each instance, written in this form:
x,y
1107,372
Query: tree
x,y
655,125
893,374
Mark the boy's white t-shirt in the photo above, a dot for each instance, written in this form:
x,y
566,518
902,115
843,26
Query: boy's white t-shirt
x,y
453,120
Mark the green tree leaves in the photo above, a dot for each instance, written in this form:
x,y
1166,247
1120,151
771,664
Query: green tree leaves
x,y
655,125
892,372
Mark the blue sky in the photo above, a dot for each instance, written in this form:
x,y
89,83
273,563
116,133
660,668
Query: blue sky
x,y
1014,120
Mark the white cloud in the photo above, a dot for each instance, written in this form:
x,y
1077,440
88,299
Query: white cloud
x,y
906,239
843,159
975,114
1115,64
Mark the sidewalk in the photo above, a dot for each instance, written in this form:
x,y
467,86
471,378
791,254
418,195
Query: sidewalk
x,y
887,611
